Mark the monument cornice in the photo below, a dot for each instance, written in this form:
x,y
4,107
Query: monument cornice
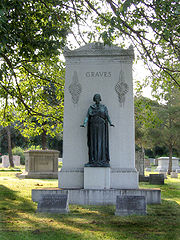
x,y
99,50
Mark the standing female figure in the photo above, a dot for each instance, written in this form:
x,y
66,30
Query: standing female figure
x,y
97,134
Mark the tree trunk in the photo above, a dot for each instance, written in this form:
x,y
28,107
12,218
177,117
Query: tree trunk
x,y
170,160
44,140
9,146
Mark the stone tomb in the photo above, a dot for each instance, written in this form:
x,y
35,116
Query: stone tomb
x,y
130,205
53,203
163,164
106,70
5,161
41,164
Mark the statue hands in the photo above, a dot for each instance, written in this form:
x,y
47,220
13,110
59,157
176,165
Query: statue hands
x,y
112,125
82,125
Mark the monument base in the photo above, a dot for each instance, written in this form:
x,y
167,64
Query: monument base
x,y
120,178
66,175
98,197
96,178
124,178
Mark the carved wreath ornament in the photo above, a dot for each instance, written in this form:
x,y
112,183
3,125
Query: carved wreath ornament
x,y
121,88
75,88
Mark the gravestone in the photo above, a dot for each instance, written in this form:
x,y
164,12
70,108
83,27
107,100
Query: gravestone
x,y
147,164
156,162
130,205
53,203
157,179
174,175
106,70
41,164
163,164
5,161
151,160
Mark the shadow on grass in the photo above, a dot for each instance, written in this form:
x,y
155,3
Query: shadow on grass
x,y
84,222
16,219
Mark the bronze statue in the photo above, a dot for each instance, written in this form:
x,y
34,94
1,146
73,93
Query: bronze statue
x,y
97,134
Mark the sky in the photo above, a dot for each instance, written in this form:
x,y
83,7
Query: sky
x,y
140,73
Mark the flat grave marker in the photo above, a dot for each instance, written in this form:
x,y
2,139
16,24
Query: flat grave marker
x,y
130,205
53,203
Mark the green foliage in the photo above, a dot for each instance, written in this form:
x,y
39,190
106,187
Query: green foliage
x,y
162,133
151,26
33,147
20,152
34,33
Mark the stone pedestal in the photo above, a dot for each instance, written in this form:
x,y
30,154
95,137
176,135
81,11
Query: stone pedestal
x,y
96,178
41,164
106,70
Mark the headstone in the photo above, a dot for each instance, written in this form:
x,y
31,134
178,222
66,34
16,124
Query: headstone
x,y
5,161
139,163
157,179
156,162
163,164
151,160
130,205
174,175
147,164
53,203
106,70
41,164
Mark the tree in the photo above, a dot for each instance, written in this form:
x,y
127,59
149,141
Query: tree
x,y
34,33
170,126
152,26
158,124
145,118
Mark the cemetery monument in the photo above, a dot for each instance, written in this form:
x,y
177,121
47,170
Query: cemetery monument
x,y
100,165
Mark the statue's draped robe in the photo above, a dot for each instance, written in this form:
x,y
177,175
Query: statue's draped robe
x,y
97,135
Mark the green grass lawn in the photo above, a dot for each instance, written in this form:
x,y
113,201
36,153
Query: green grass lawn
x,y
19,219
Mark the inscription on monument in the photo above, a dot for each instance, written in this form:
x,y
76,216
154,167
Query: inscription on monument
x,y
44,165
54,203
129,205
98,74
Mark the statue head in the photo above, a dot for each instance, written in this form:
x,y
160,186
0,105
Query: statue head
x,y
97,97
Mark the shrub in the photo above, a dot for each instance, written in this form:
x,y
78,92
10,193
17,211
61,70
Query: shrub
x,y
20,152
